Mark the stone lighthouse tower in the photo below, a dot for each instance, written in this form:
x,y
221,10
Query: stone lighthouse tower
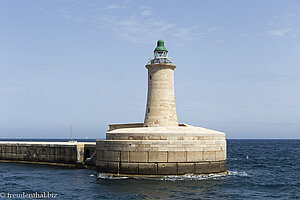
x,y
161,109
160,145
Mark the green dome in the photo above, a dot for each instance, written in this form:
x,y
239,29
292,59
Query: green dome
x,y
160,46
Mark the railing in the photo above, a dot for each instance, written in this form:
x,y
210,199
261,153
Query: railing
x,y
160,60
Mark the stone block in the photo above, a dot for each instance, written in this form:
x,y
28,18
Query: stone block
x,y
223,165
9,149
138,156
5,149
124,156
129,168
194,156
97,163
103,166
33,150
113,167
176,156
6,156
57,151
148,168
14,156
74,153
43,158
210,167
215,167
166,168
158,156
117,156
52,158
202,168
186,168
67,151
14,149
209,156
108,155
62,151
100,155
220,155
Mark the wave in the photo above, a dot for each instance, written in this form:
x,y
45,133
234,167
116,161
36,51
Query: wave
x,y
186,177
236,173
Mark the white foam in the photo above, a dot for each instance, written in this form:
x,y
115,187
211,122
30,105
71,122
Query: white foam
x,y
193,177
185,177
106,176
235,173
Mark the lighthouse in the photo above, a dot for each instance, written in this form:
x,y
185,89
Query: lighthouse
x,y
160,145
161,109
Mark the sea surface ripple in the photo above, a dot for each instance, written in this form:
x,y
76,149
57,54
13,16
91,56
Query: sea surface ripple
x,y
258,169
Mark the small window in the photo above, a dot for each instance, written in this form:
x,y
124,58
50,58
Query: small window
x,y
150,77
148,110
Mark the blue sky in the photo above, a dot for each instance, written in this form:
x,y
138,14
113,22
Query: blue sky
x,y
83,63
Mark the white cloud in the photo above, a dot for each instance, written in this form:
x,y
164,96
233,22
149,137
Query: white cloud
x,y
114,6
280,32
142,27
291,15
220,41
212,29
146,12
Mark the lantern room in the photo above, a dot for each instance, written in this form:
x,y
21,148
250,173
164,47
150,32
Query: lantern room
x,y
160,51
160,54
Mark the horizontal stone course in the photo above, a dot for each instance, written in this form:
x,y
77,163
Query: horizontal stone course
x,y
161,156
140,145
162,168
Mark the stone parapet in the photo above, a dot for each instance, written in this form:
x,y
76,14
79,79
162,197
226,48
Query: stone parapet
x,y
185,132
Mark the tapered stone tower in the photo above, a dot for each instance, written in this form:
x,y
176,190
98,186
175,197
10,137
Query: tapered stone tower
x,y
160,146
161,109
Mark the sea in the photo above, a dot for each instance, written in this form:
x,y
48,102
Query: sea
x,y
257,169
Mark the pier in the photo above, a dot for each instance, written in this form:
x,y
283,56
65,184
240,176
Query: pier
x,y
73,154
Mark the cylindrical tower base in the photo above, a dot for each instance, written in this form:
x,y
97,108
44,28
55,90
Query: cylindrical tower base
x,y
162,151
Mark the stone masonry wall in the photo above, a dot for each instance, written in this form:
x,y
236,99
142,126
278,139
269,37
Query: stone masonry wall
x,y
161,109
42,152
157,157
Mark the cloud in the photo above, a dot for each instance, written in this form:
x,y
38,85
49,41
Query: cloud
x,y
280,32
142,27
114,6
212,29
291,15
138,26
146,12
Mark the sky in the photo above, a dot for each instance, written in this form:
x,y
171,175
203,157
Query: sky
x,y
83,63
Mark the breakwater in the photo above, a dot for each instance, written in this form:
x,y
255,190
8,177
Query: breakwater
x,y
74,154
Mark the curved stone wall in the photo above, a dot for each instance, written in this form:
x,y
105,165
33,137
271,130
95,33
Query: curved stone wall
x,y
162,151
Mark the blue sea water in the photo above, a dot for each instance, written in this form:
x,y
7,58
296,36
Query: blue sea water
x,y
258,169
